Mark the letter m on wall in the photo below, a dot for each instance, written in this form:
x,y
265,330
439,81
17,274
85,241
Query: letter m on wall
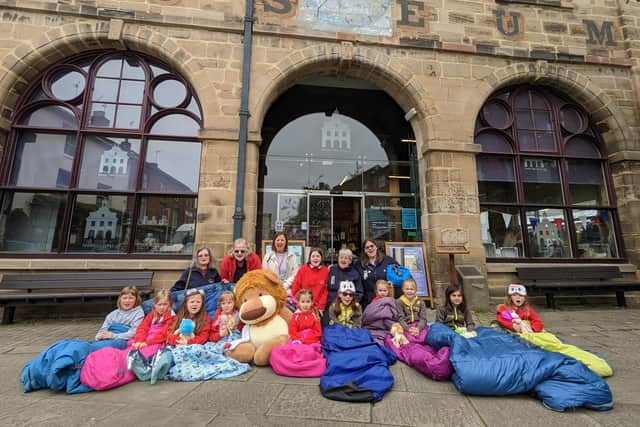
x,y
602,36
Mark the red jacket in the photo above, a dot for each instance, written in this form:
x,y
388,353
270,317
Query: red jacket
x,y
142,333
201,337
215,327
305,321
532,317
228,265
315,279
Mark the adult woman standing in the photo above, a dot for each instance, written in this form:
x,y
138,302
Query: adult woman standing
x,y
281,261
340,272
238,262
201,272
373,267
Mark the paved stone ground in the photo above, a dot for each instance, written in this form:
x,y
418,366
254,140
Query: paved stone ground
x,y
260,398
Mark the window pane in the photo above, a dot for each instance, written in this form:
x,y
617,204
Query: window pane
x,y
193,107
131,91
40,157
109,163
52,116
31,222
548,235
128,117
110,68
523,119
132,69
542,120
175,124
388,177
496,179
66,85
545,142
172,167
166,225
581,147
105,90
541,180
492,142
501,231
102,115
586,182
496,114
595,234
169,93
383,218
571,119
100,223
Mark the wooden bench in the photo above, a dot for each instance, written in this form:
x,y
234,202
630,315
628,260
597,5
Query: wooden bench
x,y
584,279
72,287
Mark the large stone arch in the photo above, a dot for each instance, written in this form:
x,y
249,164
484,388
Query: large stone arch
x,y
602,108
31,57
372,65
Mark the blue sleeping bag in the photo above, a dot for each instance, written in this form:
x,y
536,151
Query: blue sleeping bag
x,y
211,294
357,367
58,366
497,364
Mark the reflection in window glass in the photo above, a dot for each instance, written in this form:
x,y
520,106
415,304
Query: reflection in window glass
x,y
101,223
586,182
102,115
595,233
496,179
105,90
132,69
52,116
383,218
548,234
131,91
163,173
166,225
493,143
501,232
128,117
175,124
31,222
541,180
109,163
67,85
39,157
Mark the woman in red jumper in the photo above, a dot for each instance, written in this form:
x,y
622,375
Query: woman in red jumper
x,y
192,308
238,262
304,327
313,276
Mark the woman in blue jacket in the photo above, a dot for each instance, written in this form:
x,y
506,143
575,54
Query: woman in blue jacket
x,y
201,272
373,267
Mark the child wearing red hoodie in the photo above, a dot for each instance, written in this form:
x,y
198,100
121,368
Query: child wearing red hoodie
x,y
313,276
192,308
226,320
304,327
516,314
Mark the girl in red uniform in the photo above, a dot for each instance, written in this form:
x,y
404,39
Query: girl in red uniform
x,y
313,276
192,308
153,329
304,327
516,314
226,320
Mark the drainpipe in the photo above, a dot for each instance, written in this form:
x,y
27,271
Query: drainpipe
x,y
238,215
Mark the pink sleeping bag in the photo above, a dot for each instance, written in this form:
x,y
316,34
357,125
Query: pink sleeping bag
x,y
298,360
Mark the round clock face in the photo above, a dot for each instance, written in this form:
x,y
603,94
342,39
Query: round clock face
x,y
357,16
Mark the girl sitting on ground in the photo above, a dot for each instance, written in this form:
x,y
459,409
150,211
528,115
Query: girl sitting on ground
x,y
412,311
226,322
121,323
304,326
516,314
153,329
192,309
384,288
454,313
345,310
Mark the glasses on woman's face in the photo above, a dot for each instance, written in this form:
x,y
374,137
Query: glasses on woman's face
x,y
370,247
347,294
203,255
239,251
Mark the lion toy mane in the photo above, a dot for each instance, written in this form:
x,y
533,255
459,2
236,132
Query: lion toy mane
x,y
260,296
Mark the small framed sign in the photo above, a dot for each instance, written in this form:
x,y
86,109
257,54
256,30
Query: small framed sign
x,y
413,255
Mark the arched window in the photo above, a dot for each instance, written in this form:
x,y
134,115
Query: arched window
x,y
102,137
543,179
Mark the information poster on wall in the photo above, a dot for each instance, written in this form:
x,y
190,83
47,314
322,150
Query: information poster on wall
x,y
413,255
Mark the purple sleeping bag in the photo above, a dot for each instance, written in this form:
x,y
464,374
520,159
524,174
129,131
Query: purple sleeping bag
x,y
433,363
378,318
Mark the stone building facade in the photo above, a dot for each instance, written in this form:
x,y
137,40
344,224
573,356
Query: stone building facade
x,y
440,61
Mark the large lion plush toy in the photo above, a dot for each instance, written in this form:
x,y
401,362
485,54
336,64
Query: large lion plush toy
x,y
261,297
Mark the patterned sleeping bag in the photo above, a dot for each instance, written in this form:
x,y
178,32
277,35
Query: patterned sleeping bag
x,y
211,294
378,318
420,356
357,367
498,364
58,366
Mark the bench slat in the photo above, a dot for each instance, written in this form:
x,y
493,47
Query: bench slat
x,y
560,273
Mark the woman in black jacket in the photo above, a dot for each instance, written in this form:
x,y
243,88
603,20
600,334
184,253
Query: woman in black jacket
x,y
373,267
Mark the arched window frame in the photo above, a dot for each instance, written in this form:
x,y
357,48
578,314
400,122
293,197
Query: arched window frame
x,y
520,207
39,94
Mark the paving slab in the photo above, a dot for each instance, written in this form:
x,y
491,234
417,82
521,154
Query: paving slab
x,y
307,402
58,412
163,393
266,375
137,416
253,420
411,409
622,415
418,383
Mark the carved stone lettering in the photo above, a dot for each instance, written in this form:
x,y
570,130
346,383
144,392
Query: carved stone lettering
x,y
602,36
281,7
409,12
507,25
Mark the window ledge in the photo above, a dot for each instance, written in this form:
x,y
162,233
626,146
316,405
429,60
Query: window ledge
x,y
510,267
90,264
